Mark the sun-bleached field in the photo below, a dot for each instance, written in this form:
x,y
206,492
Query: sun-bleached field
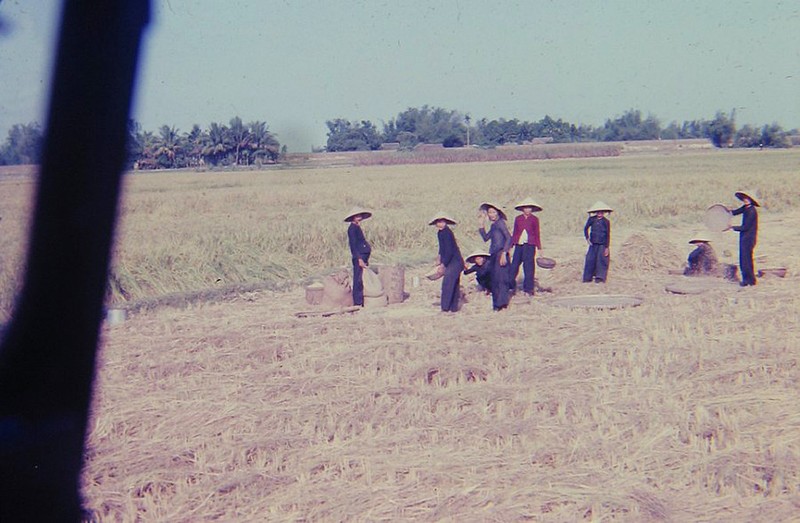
x,y
681,409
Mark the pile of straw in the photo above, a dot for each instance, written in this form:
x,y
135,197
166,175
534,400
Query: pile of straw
x,y
640,253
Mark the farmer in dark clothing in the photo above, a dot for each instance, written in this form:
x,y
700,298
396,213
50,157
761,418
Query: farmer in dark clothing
x,y
702,260
450,260
526,240
748,232
359,250
500,244
597,232
481,269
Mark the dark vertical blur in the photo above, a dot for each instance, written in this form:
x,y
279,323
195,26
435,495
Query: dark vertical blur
x,y
48,354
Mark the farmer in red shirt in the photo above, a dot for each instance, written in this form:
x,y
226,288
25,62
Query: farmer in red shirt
x,y
525,240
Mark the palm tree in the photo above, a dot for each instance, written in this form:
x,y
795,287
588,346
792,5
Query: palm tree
x,y
263,142
147,157
194,145
240,137
169,147
217,143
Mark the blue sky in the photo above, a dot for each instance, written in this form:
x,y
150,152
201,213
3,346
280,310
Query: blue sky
x,y
296,64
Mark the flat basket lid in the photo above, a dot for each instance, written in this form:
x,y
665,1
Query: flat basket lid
x,y
597,301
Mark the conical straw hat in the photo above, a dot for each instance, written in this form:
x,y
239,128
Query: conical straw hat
x,y
441,216
749,194
355,211
528,202
475,254
700,238
599,206
485,205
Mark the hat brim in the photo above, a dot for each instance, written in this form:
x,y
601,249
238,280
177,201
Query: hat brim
x,y
471,257
521,206
697,240
485,206
742,195
364,215
449,221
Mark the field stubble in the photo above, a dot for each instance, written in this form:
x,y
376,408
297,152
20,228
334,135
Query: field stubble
x,y
678,410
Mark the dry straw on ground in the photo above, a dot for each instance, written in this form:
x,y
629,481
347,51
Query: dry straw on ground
x,y
681,409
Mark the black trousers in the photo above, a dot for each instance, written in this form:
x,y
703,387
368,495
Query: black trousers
x,y
523,255
596,265
746,264
451,285
358,281
500,293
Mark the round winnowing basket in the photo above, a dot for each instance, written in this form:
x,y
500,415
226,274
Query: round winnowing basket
x,y
545,263
436,273
597,301
718,218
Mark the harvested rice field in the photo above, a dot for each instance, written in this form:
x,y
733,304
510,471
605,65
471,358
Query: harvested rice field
x,y
214,401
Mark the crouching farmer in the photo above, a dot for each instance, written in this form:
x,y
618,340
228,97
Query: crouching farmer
x,y
702,260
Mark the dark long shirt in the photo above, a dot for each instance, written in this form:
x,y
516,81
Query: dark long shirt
x,y
748,230
598,230
499,236
479,270
448,248
359,247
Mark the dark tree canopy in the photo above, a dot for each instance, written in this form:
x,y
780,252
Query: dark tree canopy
x,y
344,135
239,143
23,145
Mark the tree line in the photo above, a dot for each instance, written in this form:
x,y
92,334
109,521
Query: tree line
x,y
253,143
219,145
435,125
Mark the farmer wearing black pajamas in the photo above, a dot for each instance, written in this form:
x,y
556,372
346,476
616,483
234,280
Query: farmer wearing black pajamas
x,y
597,232
359,250
499,244
748,232
481,268
450,262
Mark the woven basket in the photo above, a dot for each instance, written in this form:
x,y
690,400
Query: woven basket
x,y
436,273
545,263
315,293
372,302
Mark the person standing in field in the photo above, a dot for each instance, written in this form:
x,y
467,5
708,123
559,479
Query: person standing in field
x,y
748,231
526,240
360,251
500,244
597,232
449,261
